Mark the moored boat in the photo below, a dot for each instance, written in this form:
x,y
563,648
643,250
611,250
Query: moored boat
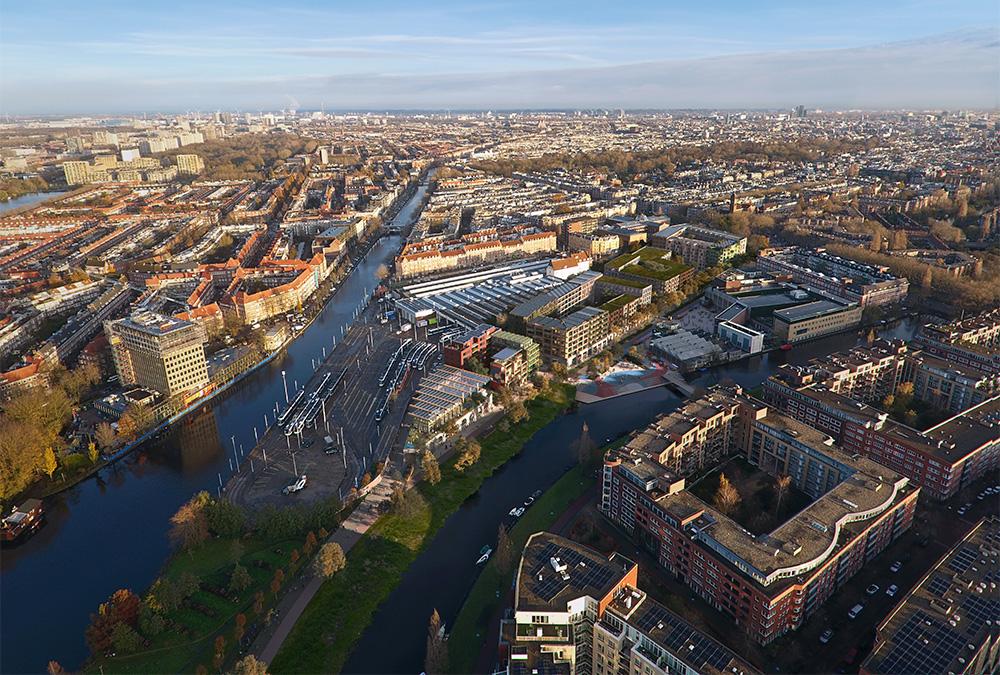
x,y
22,520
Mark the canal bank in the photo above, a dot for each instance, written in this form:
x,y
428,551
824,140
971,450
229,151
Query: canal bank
x,y
110,531
444,572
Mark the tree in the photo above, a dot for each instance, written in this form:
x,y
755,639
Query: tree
x,y
727,497
220,651
431,469
125,640
329,560
397,497
585,448
910,417
381,272
436,661
888,401
517,411
504,555
189,526
781,484
249,665
927,279
476,365
151,622
239,580
121,608
55,668
49,462
224,518
469,455
92,453
105,435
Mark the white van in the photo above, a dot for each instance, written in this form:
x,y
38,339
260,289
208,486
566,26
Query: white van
x,y
853,614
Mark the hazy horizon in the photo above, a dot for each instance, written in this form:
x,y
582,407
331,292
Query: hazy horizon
x,y
112,57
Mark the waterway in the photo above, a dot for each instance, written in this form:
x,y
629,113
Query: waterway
x,y
445,571
27,200
110,531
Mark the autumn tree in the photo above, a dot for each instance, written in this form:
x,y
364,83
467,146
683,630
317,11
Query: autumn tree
x,y
436,661
121,608
49,462
55,668
469,455
781,484
104,434
92,453
250,665
189,526
727,497
431,469
329,560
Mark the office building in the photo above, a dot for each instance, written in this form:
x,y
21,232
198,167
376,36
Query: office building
x,y
578,612
471,343
815,319
866,285
159,352
573,338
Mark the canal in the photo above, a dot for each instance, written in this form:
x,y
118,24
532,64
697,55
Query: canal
x,y
28,200
110,531
445,571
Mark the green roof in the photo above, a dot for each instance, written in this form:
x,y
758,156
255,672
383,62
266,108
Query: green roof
x,y
617,302
649,262
623,282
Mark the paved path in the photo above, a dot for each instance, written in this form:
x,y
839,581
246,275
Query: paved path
x,y
294,603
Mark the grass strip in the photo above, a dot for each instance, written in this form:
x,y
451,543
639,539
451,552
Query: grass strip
x,y
339,613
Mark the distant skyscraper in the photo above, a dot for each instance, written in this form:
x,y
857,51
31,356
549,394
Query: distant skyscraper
x,y
800,111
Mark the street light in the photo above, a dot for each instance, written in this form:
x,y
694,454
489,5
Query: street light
x,y
285,383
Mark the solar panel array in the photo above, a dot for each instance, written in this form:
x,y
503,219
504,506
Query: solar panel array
x,y
964,558
922,645
977,610
939,584
585,575
679,638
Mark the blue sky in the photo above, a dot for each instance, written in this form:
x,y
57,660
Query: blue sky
x,y
105,55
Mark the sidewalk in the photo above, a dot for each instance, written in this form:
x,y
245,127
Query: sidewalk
x,y
295,601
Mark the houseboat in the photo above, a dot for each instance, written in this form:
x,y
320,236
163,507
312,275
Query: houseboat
x,y
22,520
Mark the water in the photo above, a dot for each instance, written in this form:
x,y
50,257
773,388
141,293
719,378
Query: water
x,y
445,571
110,531
27,200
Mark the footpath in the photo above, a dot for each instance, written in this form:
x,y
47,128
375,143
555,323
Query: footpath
x,y
296,600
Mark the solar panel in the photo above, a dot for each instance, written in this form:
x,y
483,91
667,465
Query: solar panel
x,y
683,639
977,610
922,645
939,584
583,572
963,559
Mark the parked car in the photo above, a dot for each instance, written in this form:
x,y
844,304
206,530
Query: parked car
x,y
872,590
896,566
826,636
892,590
853,614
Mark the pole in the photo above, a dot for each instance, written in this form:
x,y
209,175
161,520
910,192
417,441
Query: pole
x,y
241,450
295,468
285,383
230,464
233,439
324,353
264,450
220,479
255,439
251,465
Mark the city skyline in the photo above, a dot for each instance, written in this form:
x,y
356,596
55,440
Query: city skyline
x,y
497,56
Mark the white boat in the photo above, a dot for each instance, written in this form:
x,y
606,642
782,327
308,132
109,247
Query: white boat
x,y
484,554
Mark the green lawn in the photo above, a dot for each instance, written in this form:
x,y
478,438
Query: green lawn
x,y
648,262
325,633
188,641
466,638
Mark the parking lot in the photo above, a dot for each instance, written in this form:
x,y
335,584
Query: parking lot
x,y
349,418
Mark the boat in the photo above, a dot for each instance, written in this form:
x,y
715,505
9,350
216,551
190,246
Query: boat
x,y
23,520
786,347
484,554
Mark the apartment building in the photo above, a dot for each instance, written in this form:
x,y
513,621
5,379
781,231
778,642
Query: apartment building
x,y
768,582
866,285
578,612
573,338
652,266
558,300
941,459
972,342
532,354
699,246
947,623
598,245
436,255
190,164
472,342
159,352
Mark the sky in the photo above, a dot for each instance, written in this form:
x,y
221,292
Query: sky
x,y
108,56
